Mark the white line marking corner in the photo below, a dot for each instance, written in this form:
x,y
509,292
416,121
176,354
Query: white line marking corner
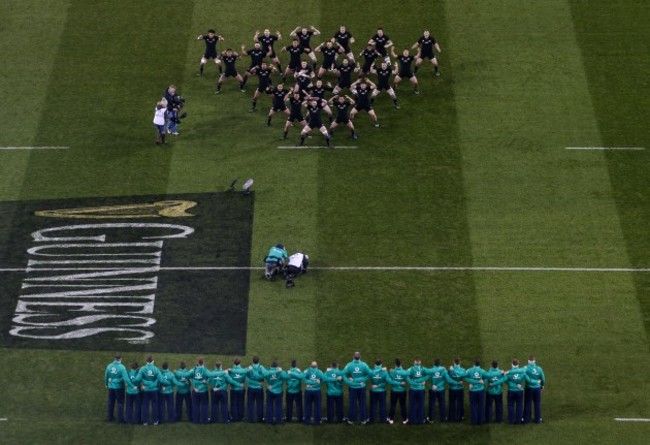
x,y
307,147
359,268
605,148
36,147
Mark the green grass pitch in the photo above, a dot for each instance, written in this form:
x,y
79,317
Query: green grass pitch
x,y
472,174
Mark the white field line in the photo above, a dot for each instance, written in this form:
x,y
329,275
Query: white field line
x,y
357,268
2,419
307,147
605,148
35,147
626,419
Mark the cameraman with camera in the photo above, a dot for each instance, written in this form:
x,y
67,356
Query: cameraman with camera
x,y
175,103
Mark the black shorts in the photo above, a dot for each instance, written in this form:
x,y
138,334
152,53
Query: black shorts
x,y
366,66
295,117
407,75
262,87
251,69
383,86
360,107
279,108
427,55
342,121
230,73
344,83
327,64
294,65
210,55
315,125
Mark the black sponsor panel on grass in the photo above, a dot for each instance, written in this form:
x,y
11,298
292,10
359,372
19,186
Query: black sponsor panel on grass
x,y
155,273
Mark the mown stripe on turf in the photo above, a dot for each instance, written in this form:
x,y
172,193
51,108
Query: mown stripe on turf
x,y
221,141
113,61
29,40
622,114
399,199
530,201
112,65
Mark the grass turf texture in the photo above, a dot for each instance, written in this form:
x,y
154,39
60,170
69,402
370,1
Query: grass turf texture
x,y
472,171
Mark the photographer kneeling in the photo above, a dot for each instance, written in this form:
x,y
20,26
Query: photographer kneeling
x,y
297,265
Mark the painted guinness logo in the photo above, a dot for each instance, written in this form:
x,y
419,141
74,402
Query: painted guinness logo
x,y
111,273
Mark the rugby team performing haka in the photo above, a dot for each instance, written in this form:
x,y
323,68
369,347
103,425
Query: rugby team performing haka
x,y
300,93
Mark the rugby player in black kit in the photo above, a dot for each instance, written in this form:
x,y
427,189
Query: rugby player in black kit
x,y
405,60
362,90
229,59
314,121
342,105
304,35
211,40
426,44
279,93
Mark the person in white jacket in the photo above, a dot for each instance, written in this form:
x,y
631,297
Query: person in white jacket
x,y
297,265
159,121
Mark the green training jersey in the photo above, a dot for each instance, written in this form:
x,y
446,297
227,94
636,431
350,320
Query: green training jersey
x,y
417,378
495,380
219,379
536,376
314,378
134,388
183,377
149,376
439,378
255,376
397,379
378,379
167,382
516,378
359,372
476,377
457,374
199,378
294,380
334,379
275,378
116,376
238,374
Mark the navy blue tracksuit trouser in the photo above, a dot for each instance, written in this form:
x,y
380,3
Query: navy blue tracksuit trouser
x,y
313,405
515,406
357,401
416,406
439,397
378,404
494,401
477,406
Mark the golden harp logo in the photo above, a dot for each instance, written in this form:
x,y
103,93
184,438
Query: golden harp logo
x,y
158,209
